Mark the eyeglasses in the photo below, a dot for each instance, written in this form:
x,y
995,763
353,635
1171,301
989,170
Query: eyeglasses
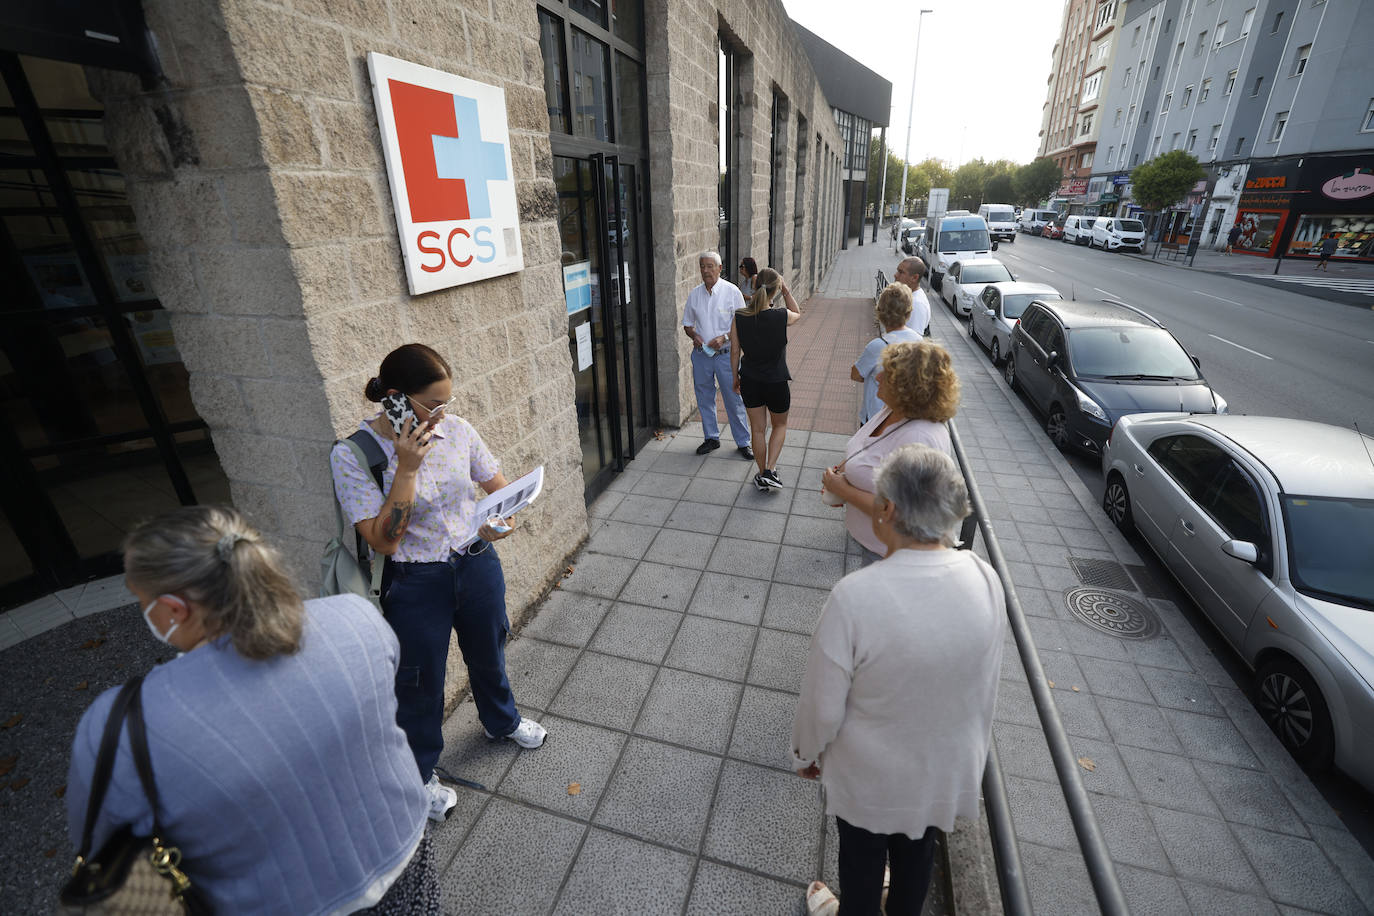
x,y
435,411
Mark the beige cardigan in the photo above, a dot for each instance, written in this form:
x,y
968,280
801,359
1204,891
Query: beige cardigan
x,y
899,691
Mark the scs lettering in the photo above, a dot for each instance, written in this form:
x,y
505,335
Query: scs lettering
x,y
460,256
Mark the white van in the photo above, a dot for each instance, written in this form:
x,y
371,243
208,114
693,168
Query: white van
x,y
1078,229
953,238
1114,234
1001,220
1033,221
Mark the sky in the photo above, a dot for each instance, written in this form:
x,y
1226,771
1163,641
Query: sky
x,y
981,77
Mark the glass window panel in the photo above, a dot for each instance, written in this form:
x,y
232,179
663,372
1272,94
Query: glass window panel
x,y
73,116
103,491
629,78
25,189
110,223
162,366
591,67
595,10
55,276
627,21
555,70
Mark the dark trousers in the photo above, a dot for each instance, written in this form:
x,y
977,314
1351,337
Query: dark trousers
x,y
423,603
862,857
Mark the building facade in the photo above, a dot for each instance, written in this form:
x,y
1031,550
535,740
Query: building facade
x,y
201,237
1072,120
1273,97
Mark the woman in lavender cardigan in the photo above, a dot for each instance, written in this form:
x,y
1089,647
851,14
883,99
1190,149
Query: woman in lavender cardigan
x,y
895,713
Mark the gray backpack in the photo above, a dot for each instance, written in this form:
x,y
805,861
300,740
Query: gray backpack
x,y
359,571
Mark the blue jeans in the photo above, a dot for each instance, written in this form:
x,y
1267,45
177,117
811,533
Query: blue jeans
x,y
423,602
707,372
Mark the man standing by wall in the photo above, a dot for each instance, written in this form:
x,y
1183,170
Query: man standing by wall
x,y
909,272
706,322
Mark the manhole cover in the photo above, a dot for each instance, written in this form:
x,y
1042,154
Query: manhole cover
x,y
1112,613
1101,573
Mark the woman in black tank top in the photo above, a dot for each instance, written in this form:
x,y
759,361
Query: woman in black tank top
x,y
758,356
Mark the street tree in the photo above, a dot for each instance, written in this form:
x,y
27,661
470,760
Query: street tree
x,y
999,189
1163,180
1037,180
969,179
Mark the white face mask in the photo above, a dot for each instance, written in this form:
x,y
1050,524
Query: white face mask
x,y
158,635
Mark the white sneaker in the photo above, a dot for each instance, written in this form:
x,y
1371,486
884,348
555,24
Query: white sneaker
x,y
528,734
442,799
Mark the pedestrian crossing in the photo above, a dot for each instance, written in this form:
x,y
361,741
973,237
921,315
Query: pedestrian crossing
x,y
1344,284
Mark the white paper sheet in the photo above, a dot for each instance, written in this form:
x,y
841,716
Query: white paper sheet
x,y
584,345
506,501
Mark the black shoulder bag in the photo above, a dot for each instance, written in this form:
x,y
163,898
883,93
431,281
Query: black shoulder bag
x,y
130,874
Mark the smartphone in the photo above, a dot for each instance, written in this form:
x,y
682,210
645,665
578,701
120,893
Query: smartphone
x,y
398,411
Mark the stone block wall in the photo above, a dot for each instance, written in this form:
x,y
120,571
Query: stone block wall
x,y
256,173
681,59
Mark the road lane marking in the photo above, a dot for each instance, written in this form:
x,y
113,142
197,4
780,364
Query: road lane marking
x,y
1105,292
1239,347
1222,298
1047,269
1126,272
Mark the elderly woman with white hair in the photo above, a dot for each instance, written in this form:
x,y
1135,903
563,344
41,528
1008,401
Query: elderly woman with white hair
x,y
895,713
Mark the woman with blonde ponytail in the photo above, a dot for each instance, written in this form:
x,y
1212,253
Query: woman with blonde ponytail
x,y
758,357
281,773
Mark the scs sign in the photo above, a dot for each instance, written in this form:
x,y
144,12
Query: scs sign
x,y
447,150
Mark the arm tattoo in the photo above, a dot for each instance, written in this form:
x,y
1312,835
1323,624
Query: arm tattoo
x,y
396,523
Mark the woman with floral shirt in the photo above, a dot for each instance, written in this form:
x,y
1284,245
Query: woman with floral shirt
x,y
432,584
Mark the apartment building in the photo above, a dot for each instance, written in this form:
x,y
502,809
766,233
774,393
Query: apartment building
x,y
1082,58
1273,96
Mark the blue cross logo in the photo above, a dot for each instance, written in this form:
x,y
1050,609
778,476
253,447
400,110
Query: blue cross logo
x,y
469,157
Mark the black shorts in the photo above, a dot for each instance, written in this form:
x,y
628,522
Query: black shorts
x,y
776,396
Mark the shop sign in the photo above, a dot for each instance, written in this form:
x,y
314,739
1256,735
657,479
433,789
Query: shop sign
x,y
1073,187
1350,186
1120,180
447,147
577,286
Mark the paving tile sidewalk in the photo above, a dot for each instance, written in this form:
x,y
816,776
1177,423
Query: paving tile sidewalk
x,y
666,668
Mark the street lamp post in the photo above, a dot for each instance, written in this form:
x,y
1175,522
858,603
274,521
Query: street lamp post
x,y
906,153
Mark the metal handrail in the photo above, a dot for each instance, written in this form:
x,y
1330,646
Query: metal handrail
x,y
1010,875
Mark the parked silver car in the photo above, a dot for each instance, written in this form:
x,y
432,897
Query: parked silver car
x,y
997,310
1268,524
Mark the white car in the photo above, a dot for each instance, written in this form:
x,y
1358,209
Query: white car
x,y
1268,524
898,228
965,281
997,310
1114,234
1078,229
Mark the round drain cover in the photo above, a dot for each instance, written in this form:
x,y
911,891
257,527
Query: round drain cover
x,y
1112,613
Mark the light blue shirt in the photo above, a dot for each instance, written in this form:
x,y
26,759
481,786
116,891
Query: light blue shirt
x,y
870,360
285,783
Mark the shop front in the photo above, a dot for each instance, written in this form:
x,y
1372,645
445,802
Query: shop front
x,y
1290,207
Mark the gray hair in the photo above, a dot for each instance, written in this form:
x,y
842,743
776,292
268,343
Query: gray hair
x,y
212,556
709,256
925,486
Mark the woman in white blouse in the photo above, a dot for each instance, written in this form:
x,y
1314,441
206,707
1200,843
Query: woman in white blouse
x,y
919,391
895,713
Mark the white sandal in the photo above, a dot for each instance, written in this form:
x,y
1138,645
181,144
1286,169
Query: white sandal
x,y
820,900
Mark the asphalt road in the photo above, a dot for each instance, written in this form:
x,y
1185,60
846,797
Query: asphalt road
x,y
1268,351
1275,352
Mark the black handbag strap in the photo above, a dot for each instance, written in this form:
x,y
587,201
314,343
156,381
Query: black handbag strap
x,y
138,744
104,760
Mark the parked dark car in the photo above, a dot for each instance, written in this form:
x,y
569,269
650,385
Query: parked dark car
x,y
1086,364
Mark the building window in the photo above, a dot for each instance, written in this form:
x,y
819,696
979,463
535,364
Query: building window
x,y
1116,122
799,193
1150,29
776,163
1145,116
1135,159
727,128
1205,91
1240,142
1300,63
1168,25
1156,73
590,86
1154,151
1221,34
1174,143
1132,114
1086,126
1178,56
1164,108
1278,21
1201,42
1187,96
1127,81
1192,140
1280,122
1216,135
1255,90
1230,81
1105,13
1247,22
555,66
1111,155
1090,88
1086,160
1368,118
1135,37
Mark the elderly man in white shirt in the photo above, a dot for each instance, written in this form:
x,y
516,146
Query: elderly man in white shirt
x,y
909,272
706,322
895,712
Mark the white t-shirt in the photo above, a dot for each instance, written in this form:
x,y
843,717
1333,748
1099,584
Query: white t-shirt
x,y
711,312
920,312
